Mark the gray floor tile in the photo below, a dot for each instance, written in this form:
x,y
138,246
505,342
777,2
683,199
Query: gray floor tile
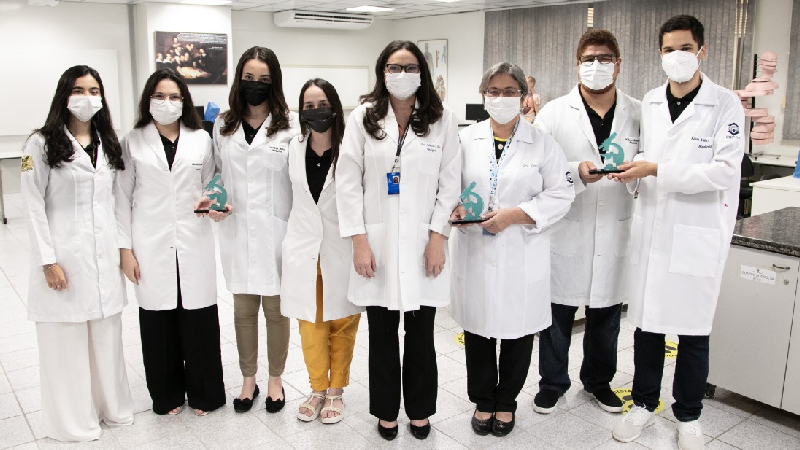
x,y
14,431
9,406
753,436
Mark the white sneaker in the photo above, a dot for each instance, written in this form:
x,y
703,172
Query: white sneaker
x,y
631,425
690,436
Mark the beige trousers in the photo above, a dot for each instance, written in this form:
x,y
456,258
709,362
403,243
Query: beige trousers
x,y
83,378
245,313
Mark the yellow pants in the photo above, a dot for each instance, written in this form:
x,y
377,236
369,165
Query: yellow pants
x,y
328,346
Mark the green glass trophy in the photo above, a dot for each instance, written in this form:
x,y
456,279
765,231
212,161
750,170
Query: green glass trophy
x,y
473,204
612,157
217,194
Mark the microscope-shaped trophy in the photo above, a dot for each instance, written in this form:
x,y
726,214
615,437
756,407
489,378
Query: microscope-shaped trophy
x,y
217,194
473,204
612,156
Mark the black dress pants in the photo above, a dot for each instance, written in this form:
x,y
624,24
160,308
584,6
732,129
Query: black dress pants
x,y
599,348
489,390
691,373
181,353
419,373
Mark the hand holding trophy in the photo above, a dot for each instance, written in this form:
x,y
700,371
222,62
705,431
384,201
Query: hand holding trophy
x,y
214,202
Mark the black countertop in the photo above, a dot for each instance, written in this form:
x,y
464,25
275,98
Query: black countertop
x,y
776,232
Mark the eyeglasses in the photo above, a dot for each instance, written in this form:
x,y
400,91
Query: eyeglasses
x,y
605,58
397,68
172,98
493,92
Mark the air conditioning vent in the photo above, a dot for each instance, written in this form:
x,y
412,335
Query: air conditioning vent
x,y
313,19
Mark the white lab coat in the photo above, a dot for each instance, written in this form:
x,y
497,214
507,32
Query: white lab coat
x,y
683,219
398,226
313,232
71,222
501,284
256,177
156,219
590,243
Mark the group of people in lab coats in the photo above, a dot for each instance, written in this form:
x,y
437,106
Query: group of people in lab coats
x,y
325,220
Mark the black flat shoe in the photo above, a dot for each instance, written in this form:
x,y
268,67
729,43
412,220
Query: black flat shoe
x,y
274,406
500,428
387,433
482,427
244,404
420,432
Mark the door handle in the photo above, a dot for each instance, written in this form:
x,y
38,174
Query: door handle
x,y
780,268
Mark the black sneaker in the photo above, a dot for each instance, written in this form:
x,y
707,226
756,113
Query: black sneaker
x,y
608,400
545,401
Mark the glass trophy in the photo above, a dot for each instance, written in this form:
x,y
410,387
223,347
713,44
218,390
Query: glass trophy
x,y
612,158
473,204
217,194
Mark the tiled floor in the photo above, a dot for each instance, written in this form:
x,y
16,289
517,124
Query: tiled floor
x,y
729,421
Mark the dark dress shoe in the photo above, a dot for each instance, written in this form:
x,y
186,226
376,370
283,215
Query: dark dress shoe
x,y
244,404
387,433
274,406
482,427
420,432
500,428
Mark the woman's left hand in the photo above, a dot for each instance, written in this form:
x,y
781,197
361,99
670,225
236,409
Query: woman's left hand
x,y
434,255
499,220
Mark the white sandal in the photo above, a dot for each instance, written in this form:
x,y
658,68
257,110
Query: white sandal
x,y
337,418
314,410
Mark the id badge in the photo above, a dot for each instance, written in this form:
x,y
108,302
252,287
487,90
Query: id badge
x,y
393,182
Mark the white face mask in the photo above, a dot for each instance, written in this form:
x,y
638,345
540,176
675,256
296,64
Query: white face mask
x,y
502,109
597,76
402,85
165,111
84,107
679,65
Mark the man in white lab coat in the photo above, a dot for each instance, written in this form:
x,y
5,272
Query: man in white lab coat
x,y
597,126
687,180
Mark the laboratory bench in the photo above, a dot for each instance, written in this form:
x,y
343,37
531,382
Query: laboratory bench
x,y
755,339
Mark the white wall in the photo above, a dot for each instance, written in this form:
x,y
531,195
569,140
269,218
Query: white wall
x,y
772,31
310,47
464,34
152,17
69,27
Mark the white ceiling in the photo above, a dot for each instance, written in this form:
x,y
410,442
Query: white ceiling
x,y
403,9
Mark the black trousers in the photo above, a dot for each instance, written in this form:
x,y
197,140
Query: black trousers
x,y
599,348
489,390
691,373
181,353
419,374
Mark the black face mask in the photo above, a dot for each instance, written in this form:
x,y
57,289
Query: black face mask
x,y
320,119
254,92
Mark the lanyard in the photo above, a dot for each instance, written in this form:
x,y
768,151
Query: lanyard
x,y
400,141
494,167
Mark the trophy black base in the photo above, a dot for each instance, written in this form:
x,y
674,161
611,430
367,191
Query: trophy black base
x,y
467,221
604,171
206,211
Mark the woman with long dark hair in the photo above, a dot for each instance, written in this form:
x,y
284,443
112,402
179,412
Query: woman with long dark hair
x,y
167,252
68,169
397,180
313,249
251,140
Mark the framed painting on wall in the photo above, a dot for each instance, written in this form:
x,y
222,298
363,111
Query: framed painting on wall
x,y
435,51
202,58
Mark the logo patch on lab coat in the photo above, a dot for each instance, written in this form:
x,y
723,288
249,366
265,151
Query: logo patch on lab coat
x,y
27,163
733,129
569,177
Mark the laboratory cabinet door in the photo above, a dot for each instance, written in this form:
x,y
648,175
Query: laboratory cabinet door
x,y
753,322
791,388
